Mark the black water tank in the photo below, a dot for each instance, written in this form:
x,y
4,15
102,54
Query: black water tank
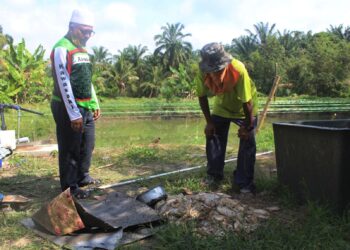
x,y
313,160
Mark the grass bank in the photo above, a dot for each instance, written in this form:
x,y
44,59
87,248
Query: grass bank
x,y
125,149
295,226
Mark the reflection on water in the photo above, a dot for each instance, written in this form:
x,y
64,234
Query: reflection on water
x,y
118,132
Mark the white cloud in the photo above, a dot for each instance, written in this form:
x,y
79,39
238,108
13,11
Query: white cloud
x,y
120,23
301,15
206,33
119,13
186,7
18,4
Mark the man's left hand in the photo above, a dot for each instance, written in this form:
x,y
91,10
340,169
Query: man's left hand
x,y
97,114
244,133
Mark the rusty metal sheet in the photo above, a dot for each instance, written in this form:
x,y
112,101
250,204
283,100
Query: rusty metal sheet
x,y
115,210
60,215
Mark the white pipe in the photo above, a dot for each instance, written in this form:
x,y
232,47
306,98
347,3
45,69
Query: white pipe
x,y
23,140
167,173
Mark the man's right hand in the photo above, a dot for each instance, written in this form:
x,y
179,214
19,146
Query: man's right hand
x,y
209,130
77,125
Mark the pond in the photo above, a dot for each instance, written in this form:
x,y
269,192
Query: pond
x,y
112,131
187,130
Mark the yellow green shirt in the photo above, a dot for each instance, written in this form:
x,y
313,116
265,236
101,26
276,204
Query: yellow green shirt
x,y
230,104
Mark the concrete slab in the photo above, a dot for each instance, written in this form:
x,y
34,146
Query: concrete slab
x,y
36,149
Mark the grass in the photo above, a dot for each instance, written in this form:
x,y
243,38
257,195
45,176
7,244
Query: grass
x,y
297,227
275,234
310,226
125,150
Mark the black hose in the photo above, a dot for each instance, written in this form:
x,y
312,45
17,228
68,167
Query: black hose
x,y
17,107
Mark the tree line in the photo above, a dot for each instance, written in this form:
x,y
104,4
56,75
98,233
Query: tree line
x,y
311,64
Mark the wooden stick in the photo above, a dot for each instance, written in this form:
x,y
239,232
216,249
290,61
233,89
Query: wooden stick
x,y
272,93
105,166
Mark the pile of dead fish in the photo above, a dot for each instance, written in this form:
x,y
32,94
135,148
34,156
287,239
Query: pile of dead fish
x,y
215,213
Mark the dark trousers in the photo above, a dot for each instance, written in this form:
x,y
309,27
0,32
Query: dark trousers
x,y
216,149
74,148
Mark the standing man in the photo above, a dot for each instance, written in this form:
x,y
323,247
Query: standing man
x,y
74,104
235,101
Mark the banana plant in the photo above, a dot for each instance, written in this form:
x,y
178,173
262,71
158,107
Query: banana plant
x,y
23,71
180,82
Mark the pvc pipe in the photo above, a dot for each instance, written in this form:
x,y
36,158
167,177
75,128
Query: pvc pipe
x,y
23,140
167,173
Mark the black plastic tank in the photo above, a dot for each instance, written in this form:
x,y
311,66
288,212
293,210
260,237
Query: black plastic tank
x,y
313,160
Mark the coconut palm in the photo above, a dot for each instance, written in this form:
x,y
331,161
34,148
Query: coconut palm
x,y
134,54
151,87
171,46
290,40
262,32
3,41
100,55
244,46
122,75
340,31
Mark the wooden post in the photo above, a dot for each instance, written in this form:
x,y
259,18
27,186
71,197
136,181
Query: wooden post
x,y
276,74
272,93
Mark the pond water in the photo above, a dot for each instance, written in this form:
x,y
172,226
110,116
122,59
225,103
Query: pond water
x,y
113,131
119,132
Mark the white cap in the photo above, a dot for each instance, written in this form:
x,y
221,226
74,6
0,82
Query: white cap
x,y
82,17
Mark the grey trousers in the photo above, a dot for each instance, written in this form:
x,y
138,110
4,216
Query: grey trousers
x,y
74,148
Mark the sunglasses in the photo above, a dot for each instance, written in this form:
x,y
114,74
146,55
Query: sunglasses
x,y
87,32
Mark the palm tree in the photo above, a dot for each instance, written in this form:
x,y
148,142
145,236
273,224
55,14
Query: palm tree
x,y
152,86
340,31
101,60
134,54
5,39
262,32
100,55
122,74
171,46
290,40
244,46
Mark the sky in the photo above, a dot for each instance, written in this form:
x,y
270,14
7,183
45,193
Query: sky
x,y
119,23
